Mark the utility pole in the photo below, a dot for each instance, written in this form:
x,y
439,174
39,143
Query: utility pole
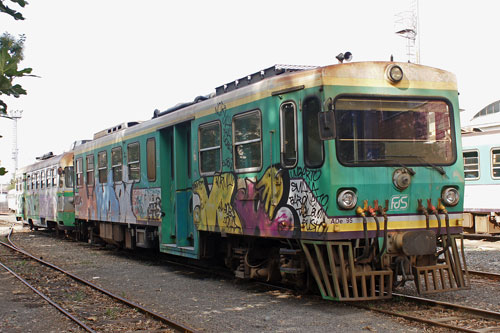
x,y
14,115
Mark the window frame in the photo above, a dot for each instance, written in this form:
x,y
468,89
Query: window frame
x,y
37,180
28,182
283,133
138,162
492,168
90,171
149,158
114,166
101,169
219,147
478,164
79,172
241,143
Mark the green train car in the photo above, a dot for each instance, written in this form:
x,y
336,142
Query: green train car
x,y
349,176
46,193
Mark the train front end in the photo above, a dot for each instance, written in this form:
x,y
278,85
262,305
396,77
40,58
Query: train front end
x,y
391,139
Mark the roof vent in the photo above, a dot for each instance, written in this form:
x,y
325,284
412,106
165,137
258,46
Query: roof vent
x,y
115,129
45,156
259,76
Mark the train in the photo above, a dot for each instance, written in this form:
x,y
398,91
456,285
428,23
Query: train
x,y
346,178
481,153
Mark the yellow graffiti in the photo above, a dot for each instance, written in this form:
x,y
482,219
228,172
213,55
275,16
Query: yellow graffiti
x,y
270,187
217,205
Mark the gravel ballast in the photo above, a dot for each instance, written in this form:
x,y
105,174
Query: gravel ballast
x,y
204,302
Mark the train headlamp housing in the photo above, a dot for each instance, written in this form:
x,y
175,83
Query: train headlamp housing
x,y
450,196
347,199
394,73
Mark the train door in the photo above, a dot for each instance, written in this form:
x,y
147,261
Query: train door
x,y
177,231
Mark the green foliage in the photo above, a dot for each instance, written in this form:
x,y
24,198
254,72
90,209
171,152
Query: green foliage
x,y
15,14
11,53
2,171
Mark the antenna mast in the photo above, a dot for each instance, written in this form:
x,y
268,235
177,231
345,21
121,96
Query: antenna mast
x,y
407,26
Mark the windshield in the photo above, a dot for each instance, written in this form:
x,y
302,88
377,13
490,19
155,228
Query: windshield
x,y
378,131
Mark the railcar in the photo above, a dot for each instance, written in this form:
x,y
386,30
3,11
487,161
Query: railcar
x,y
45,188
481,152
349,176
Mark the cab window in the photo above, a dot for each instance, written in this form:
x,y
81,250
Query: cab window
x,y
313,145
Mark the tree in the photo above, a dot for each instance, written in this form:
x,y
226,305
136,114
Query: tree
x,y
15,14
11,53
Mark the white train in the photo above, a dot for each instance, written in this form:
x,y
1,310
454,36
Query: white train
x,y
481,151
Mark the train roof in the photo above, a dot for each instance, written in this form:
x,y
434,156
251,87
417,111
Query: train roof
x,y
62,159
273,81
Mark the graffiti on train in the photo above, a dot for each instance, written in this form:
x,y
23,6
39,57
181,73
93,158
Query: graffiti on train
x,y
272,205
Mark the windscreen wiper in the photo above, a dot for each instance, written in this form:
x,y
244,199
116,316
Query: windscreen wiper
x,y
435,167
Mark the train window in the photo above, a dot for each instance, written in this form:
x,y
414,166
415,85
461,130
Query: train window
x,y
495,163
28,182
379,131
209,148
151,158
116,163
102,165
90,169
37,180
247,141
49,178
134,161
313,145
42,179
471,165
288,135
54,176
79,172
68,177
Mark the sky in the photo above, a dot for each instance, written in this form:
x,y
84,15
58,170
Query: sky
x,y
102,63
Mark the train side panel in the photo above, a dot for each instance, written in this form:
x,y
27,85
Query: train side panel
x,y
482,175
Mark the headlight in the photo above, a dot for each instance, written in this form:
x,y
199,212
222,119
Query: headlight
x,y
450,196
395,73
347,199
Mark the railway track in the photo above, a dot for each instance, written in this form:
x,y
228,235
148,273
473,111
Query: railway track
x,y
452,316
489,238
88,305
486,275
435,313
